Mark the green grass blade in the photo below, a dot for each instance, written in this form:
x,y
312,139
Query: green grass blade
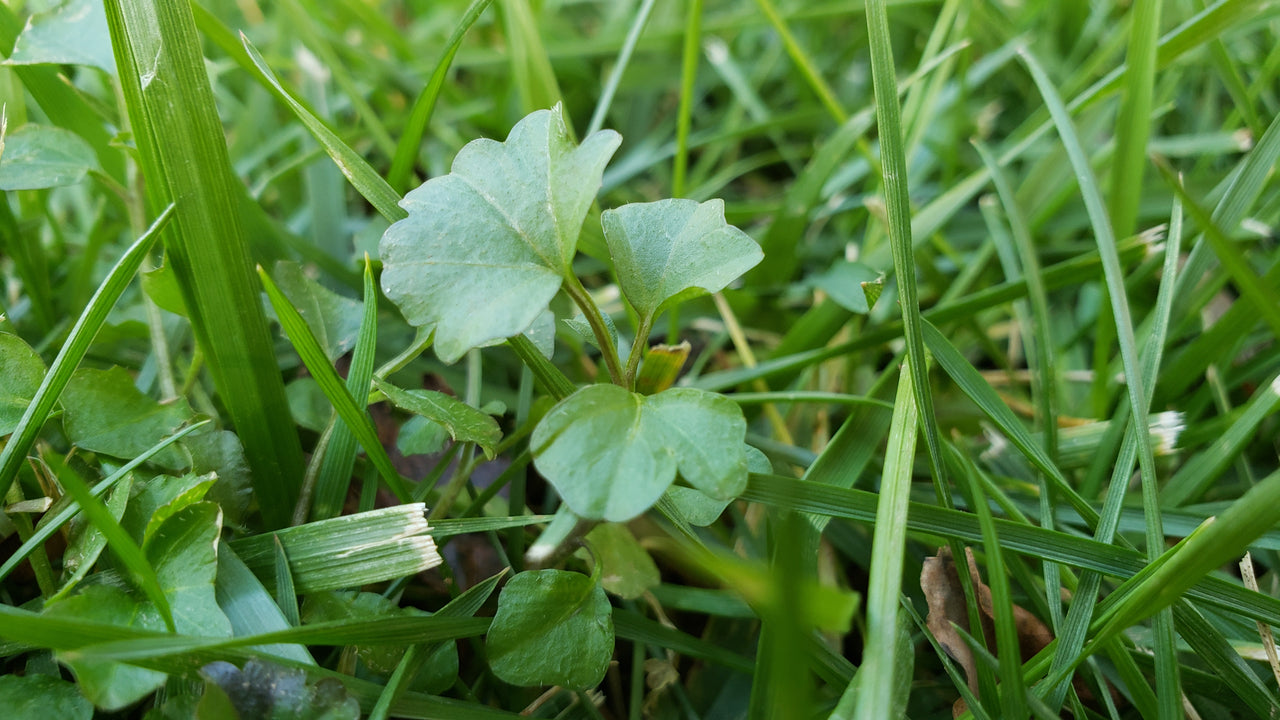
x,y
985,397
354,415
1013,700
1072,634
1218,654
1133,125
1199,473
531,70
302,23
1248,180
73,350
808,68
898,205
184,156
1265,300
286,595
465,605
420,116
1044,355
340,456
1055,546
1167,684
358,172
688,81
619,67
871,695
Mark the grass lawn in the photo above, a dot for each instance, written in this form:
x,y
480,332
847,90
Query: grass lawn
x,y
630,359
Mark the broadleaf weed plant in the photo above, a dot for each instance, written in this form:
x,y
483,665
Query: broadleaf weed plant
x,y
884,359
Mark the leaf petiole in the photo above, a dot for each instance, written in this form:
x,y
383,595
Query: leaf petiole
x,y
573,286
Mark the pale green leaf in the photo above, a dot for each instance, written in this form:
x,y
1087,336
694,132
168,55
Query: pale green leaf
x,y
105,413
21,371
486,247
552,627
183,550
108,684
611,453
464,423
852,285
627,570
40,156
74,33
41,697
420,436
700,509
669,250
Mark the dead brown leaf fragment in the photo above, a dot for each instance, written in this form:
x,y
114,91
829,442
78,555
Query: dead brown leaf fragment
x,y
940,581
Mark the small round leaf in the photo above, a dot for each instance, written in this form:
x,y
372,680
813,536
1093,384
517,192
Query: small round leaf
x,y
552,628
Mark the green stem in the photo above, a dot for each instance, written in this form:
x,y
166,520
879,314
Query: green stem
x,y
637,350
574,288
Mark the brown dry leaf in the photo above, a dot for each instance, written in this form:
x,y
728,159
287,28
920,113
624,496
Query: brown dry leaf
x,y
940,581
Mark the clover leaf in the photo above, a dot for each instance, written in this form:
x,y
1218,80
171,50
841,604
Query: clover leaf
x,y
673,249
486,247
611,453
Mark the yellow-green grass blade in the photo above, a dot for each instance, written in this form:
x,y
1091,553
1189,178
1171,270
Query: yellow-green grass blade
x,y
531,70
184,158
808,68
340,455
898,206
74,348
1133,124
358,172
420,116
688,79
354,414
871,695
1222,539
51,524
